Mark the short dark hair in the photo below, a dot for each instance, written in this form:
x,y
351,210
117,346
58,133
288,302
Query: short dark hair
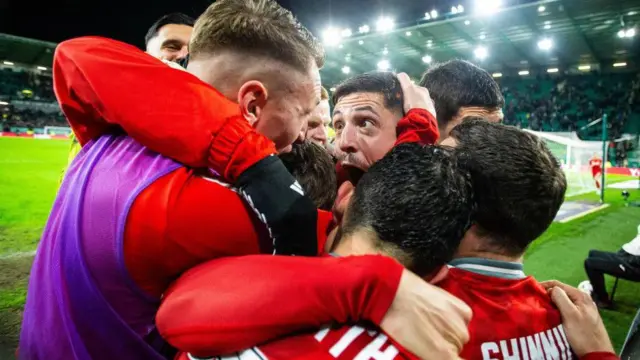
x,y
314,169
417,201
518,183
174,18
385,83
459,83
256,28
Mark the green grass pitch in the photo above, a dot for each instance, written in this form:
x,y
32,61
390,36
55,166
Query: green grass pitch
x,y
30,170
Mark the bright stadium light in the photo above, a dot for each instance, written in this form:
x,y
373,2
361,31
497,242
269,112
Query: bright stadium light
x,y
427,16
496,75
42,68
360,42
363,29
426,59
384,65
346,33
467,22
482,36
346,69
332,89
545,44
9,63
547,25
584,67
621,33
331,36
523,72
385,51
385,24
460,9
434,13
552,70
4,103
454,10
620,64
408,33
488,7
630,32
541,8
481,52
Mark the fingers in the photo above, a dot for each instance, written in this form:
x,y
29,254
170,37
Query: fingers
x,y
549,284
405,82
562,301
577,297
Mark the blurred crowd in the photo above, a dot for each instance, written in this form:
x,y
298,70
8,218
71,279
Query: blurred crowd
x,y
544,103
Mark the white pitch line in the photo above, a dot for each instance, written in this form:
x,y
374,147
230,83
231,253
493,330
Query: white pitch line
x,y
18,255
584,213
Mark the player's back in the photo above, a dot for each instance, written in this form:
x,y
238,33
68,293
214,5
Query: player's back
x,y
343,343
513,316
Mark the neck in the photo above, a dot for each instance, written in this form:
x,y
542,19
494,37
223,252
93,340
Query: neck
x,y
354,245
487,255
473,246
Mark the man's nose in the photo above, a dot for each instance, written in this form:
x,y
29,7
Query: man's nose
x,y
347,139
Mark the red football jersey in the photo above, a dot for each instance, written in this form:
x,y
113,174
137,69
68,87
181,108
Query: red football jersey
x,y
344,343
512,318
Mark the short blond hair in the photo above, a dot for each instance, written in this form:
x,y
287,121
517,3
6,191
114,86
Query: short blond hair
x,y
257,28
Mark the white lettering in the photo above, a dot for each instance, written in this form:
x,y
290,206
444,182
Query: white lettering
x,y
346,340
523,348
634,172
535,350
320,335
504,349
549,346
488,350
560,342
565,341
374,350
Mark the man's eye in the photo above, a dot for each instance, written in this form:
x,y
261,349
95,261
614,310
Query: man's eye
x,y
338,126
366,123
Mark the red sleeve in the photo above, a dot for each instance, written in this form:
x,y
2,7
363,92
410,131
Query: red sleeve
x,y
418,125
230,304
102,83
182,220
600,356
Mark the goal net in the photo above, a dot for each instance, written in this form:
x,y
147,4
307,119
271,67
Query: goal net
x,y
574,155
57,130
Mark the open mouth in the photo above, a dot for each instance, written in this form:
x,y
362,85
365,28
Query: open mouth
x,y
354,174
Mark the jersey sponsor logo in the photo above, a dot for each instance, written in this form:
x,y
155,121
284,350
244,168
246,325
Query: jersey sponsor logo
x,y
545,345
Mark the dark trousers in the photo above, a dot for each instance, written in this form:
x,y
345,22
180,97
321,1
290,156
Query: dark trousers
x,y
620,264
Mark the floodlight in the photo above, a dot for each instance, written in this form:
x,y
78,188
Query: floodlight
x,y
584,67
454,10
434,13
9,63
481,52
467,22
331,36
630,32
346,69
385,24
488,7
460,9
426,59
363,29
383,65
541,8
496,75
545,44
408,33
620,64
523,72
621,33
552,70
42,68
346,33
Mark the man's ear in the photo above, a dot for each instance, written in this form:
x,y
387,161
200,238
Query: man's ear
x,y
252,97
437,275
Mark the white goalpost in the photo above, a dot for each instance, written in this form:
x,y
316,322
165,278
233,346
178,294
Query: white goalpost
x,y
574,155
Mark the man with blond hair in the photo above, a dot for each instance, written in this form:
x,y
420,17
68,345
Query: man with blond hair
x,y
128,220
